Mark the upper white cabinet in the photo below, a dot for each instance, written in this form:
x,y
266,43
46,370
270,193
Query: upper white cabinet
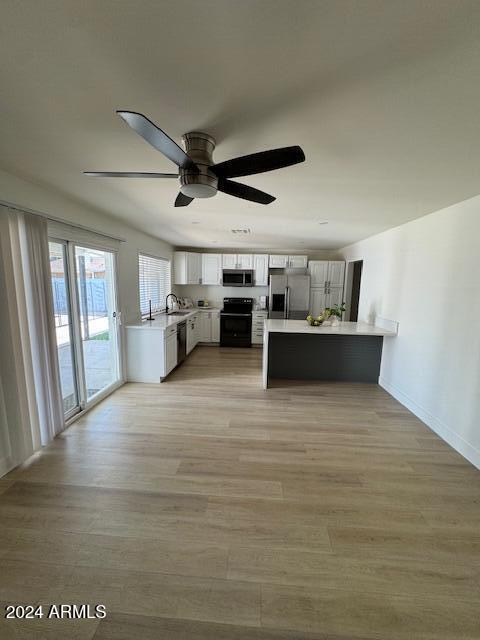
x,y
288,262
336,273
187,267
260,267
237,261
278,262
245,261
324,273
211,268
229,261
318,270
297,262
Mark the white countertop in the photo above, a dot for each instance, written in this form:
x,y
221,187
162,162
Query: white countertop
x,y
343,328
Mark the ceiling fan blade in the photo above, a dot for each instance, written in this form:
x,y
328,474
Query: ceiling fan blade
x,y
259,162
157,138
128,174
182,200
244,191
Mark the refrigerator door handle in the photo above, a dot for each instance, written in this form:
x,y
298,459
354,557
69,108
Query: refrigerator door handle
x,y
287,302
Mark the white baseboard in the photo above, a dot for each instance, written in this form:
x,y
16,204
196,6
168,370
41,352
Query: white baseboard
x,y
6,465
460,445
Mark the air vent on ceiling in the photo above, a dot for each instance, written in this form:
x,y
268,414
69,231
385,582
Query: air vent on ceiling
x,y
240,231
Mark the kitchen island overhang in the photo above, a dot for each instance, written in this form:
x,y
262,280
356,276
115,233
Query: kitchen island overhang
x,y
348,352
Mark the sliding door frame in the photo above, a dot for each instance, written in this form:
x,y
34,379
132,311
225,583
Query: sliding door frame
x,y
71,317
75,328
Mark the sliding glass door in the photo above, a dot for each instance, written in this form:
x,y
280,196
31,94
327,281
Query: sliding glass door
x,y
63,327
85,306
97,308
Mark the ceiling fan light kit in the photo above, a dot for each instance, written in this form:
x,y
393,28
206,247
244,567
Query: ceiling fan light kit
x,y
202,183
199,176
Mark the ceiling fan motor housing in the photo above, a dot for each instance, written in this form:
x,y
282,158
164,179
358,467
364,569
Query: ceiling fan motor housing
x,y
204,183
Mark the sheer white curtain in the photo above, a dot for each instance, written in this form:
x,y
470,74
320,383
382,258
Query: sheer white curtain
x,y
31,412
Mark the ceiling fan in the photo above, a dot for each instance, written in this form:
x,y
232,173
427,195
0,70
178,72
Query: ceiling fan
x,y
199,176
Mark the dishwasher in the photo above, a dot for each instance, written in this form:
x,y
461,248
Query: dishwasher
x,y
181,341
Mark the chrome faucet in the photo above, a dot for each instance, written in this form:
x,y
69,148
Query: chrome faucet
x,y
166,301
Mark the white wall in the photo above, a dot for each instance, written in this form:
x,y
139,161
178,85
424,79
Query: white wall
x,y
215,294
23,193
425,275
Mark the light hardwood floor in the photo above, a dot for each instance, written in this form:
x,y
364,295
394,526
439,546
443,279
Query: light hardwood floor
x,y
206,508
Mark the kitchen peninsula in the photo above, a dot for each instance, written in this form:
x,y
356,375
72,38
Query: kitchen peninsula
x,y
349,352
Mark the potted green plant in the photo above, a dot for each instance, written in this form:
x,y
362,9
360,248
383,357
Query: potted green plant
x,y
336,312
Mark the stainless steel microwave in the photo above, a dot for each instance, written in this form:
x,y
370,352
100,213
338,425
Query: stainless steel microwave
x,y
237,278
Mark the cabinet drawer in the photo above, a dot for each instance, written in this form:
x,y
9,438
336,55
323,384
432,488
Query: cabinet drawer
x,y
170,330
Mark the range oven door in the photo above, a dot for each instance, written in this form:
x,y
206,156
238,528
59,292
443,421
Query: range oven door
x,y
235,329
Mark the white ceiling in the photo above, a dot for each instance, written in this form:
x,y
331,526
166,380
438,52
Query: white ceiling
x,y
382,95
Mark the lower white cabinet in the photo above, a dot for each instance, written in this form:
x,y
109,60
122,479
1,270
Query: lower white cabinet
x,y
215,326
335,295
258,318
151,352
170,353
319,300
205,326
209,326
193,332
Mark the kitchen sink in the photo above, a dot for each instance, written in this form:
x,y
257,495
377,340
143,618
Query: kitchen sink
x,y
178,313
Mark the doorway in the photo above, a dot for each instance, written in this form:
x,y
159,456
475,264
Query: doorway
x,y
355,295
85,309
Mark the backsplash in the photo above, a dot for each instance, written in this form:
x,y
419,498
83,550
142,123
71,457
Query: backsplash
x,y
215,294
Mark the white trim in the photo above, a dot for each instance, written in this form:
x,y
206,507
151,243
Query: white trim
x,y
460,445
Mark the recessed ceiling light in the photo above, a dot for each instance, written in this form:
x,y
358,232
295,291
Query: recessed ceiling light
x,y
323,222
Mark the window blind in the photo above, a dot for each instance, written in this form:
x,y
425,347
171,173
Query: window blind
x,y
154,282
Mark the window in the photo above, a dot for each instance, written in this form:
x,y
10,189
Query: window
x,y
154,282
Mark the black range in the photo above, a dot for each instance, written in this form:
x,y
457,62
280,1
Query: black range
x,y
236,322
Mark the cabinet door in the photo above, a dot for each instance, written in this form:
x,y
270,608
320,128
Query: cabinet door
x,y
170,353
336,273
318,301
190,336
297,262
205,326
180,267
194,268
245,261
334,296
215,326
211,268
229,261
196,330
260,265
318,270
278,262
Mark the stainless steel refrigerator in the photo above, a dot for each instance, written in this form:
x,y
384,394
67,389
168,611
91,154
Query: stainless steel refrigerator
x,y
289,296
